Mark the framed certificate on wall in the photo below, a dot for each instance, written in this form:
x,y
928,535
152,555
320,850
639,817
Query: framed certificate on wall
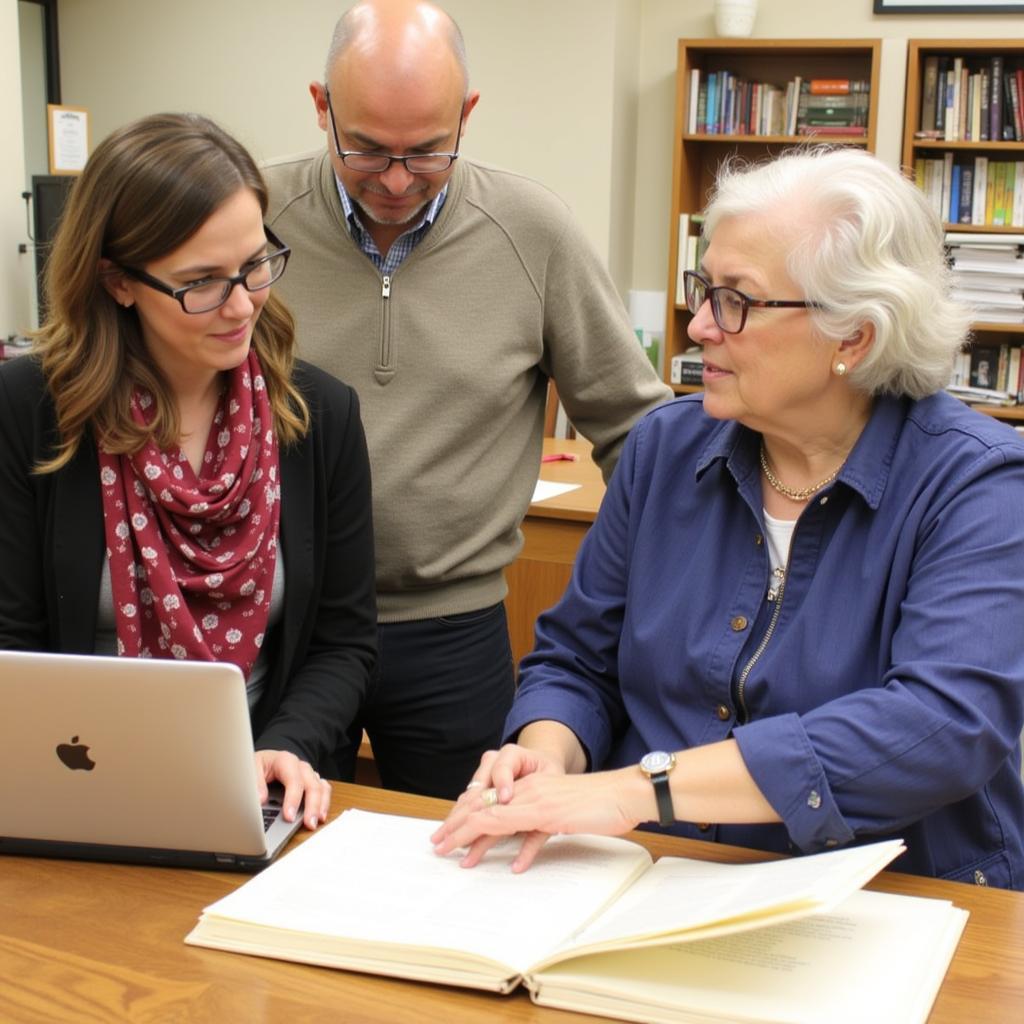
x,y
68,132
948,6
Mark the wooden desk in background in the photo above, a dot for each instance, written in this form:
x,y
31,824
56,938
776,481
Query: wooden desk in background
x,y
104,942
552,533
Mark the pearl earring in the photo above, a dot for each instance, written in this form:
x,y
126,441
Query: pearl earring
x,y
840,369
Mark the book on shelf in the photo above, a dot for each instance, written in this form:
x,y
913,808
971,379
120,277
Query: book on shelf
x,y
852,130
929,84
966,194
723,103
990,374
971,98
832,114
991,194
1013,373
688,367
682,263
836,86
690,246
952,118
1013,92
693,95
597,927
995,107
984,365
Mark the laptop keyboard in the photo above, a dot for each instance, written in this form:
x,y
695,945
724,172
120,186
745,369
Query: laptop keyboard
x,y
270,814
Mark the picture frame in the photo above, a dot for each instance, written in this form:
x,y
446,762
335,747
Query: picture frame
x,y
68,133
948,7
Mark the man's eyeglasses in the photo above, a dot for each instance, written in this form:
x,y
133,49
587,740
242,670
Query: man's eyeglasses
x,y
729,306
378,163
209,294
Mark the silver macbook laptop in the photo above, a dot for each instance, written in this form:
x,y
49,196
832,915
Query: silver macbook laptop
x,y
131,759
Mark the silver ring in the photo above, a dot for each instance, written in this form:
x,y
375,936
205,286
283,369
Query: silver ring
x,y
489,797
473,784
317,774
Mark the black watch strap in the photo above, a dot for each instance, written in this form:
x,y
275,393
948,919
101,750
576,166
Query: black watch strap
x,y
663,794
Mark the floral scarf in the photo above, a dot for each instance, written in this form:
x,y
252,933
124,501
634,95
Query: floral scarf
x,y
192,557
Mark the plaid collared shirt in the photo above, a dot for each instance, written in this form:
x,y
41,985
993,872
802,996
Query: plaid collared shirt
x,y
403,245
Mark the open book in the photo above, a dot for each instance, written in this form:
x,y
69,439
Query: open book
x,y
596,926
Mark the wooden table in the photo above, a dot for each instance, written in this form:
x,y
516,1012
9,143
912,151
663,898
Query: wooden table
x,y
552,533
103,943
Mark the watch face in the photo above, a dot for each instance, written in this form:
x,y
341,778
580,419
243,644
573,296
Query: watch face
x,y
656,761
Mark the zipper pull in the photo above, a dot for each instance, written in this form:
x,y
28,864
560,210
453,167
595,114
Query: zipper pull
x,y
778,582
385,287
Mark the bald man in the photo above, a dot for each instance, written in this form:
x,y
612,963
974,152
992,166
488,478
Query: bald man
x,y
447,293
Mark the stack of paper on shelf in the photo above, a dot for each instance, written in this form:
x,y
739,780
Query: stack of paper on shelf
x,y
988,275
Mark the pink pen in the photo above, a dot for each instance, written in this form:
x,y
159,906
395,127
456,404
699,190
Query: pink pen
x,y
559,457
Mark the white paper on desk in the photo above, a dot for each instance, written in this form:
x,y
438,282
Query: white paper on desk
x,y
549,489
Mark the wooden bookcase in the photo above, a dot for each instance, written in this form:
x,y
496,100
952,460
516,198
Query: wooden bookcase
x,y
696,157
914,148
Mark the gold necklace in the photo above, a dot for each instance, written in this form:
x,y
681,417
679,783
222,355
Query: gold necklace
x,y
788,492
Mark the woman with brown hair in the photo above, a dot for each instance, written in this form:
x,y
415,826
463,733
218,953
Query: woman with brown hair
x,y
173,483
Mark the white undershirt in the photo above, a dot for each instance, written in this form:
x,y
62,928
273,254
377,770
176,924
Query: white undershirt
x,y
780,537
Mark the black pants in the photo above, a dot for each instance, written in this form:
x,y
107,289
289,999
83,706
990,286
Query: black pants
x,y
443,690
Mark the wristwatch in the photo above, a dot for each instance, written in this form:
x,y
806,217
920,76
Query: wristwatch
x,y
656,765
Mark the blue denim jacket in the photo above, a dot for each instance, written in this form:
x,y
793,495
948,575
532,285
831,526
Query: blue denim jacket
x,y
881,694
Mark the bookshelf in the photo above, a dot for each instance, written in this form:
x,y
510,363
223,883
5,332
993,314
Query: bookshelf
x,y
698,154
975,54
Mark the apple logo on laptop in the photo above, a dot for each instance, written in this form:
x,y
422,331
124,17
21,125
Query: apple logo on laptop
x,y
75,755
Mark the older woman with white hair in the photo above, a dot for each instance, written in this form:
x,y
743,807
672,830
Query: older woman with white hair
x,y
796,622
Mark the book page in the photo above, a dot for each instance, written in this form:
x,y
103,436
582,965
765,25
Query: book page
x,y
375,878
679,897
876,957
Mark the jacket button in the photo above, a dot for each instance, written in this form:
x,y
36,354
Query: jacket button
x,y
823,501
703,826
739,623
979,878
724,714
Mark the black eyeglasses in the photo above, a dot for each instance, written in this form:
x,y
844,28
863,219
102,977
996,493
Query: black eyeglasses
x,y
729,306
209,294
378,163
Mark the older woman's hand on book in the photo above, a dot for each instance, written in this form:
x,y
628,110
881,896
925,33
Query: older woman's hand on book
x,y
540,803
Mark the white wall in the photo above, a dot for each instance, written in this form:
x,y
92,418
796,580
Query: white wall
x,y
546,70
16,269
32,28
577,93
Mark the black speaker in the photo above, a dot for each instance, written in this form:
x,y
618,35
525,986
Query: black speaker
x,y
49,192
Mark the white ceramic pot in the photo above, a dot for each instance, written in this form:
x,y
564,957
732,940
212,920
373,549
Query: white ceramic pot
x,y
735,17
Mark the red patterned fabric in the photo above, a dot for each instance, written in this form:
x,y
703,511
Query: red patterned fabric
x,y
192,558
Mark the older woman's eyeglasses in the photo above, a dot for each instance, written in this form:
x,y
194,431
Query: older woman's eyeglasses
x,y
378,163
212,292
729,306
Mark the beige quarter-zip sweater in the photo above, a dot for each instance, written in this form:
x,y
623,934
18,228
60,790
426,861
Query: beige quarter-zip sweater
x,y
450,356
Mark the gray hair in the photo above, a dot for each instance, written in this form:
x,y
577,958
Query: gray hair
x,y
866,245
354,22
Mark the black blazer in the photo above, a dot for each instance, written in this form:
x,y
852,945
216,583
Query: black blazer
x,y
323,650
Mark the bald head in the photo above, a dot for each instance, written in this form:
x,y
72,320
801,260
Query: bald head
x,y
398,35
395,86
